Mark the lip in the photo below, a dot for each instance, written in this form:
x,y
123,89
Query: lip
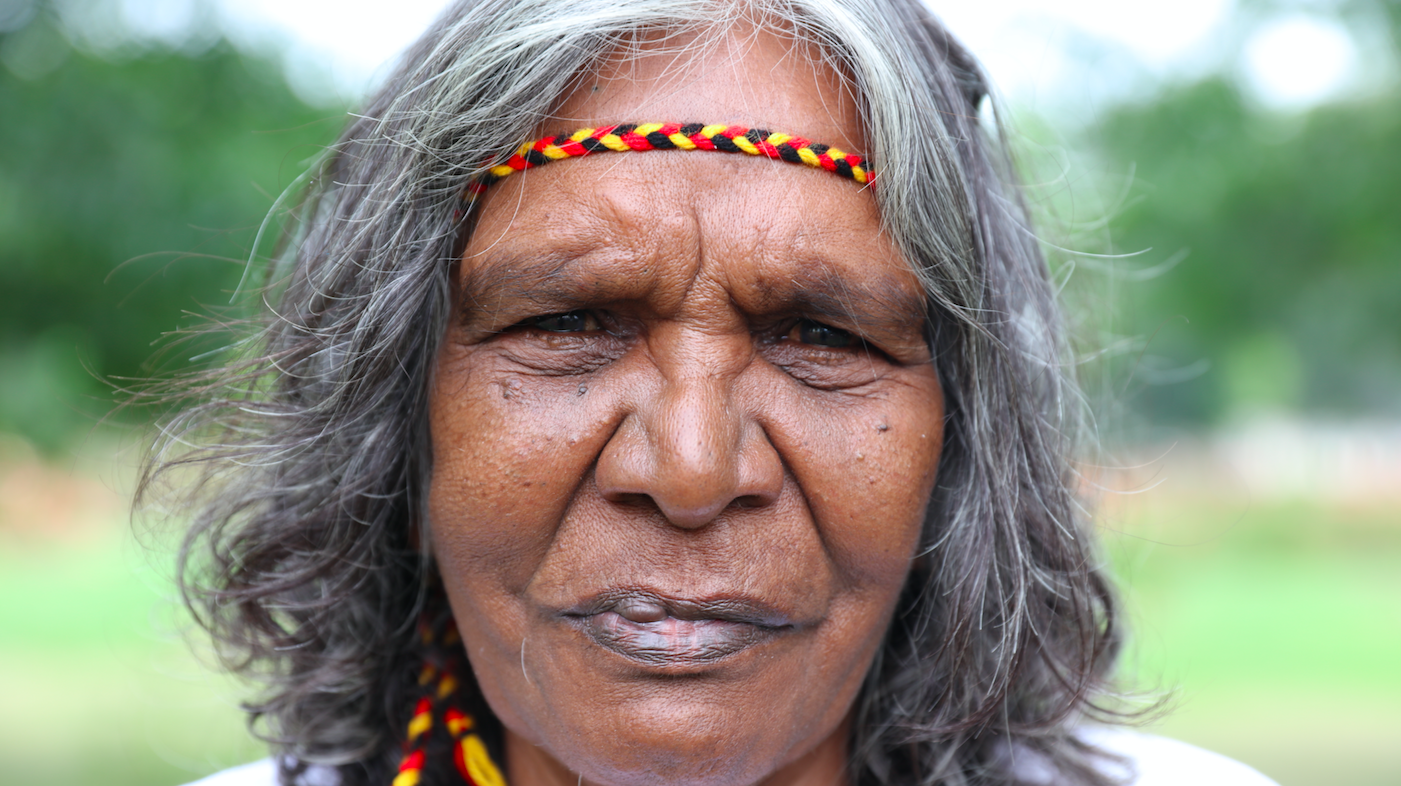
x,y
676,632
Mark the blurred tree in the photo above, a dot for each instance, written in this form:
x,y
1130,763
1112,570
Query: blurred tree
x,y
130,192
1290,288
131,187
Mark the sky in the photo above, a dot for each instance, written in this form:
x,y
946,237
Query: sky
x,y
1057,56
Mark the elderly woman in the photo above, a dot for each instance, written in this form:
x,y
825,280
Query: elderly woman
x,y
729,448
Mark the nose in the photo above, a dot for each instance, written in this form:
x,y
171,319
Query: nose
x,y
692,451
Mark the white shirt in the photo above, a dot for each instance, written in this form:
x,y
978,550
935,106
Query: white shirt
x,y
1155,761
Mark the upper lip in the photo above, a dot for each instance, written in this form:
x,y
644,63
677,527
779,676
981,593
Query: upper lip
x,y
736,608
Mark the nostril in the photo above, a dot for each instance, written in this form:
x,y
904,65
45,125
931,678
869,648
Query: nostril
x,y
631,499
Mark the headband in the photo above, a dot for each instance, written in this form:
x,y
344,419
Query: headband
x,y
676,136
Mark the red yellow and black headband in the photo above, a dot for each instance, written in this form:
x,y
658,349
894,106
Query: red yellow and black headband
x,y
676,136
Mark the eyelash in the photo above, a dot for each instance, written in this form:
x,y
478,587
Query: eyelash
x,y
811,332
590,322
805,331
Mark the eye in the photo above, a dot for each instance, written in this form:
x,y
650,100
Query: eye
x,y
808,331
568,322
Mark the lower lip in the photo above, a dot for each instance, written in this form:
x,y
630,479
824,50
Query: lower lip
x,y
671,641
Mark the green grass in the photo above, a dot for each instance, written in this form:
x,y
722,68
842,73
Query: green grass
x,y
1277,627
98,687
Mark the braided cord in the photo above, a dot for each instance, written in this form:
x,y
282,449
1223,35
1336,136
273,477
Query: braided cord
x,y
469,752
677,136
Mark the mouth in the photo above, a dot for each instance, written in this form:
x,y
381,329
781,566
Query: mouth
x,y
658,631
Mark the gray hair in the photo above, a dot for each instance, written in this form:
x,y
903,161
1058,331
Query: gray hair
x,y
313,448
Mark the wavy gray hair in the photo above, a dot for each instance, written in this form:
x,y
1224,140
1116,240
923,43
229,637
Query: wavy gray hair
x,y
313,448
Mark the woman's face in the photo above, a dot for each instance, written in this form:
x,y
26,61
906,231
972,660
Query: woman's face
x,y
685,428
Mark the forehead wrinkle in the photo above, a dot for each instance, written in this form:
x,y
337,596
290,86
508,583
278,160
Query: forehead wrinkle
x,y
509,269
664,233
811,269
618,256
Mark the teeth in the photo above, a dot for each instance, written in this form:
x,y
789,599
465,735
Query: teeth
x,y
641,611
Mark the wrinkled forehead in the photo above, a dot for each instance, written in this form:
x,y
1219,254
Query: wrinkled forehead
x,y
613,219
745,74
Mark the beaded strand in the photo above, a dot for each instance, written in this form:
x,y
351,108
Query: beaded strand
x,y
469,752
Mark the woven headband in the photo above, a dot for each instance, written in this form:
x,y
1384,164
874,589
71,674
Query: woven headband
x,y
676,136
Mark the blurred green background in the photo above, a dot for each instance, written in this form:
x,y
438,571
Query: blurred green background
x,y
1245,282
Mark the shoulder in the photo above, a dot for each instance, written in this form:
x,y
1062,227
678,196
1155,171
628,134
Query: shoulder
x,y
264,773
1159,761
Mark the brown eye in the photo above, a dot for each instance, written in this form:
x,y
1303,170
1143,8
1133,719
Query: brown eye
x,y
809,332
569,322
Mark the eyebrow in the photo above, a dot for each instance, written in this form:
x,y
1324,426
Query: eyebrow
x,y
504,277
883,307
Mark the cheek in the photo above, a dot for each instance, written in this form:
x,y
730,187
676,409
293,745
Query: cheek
x,y
867,469
509,451
508,454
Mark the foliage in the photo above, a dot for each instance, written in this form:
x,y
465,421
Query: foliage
x,y
1291,279
132,186
130,193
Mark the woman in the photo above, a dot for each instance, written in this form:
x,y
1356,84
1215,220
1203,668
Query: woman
x,y
741,461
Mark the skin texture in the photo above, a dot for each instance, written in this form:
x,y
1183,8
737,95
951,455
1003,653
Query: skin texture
x,y
697,379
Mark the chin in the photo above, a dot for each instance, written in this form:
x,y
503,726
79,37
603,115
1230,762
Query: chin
x,y
609,719
665,741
